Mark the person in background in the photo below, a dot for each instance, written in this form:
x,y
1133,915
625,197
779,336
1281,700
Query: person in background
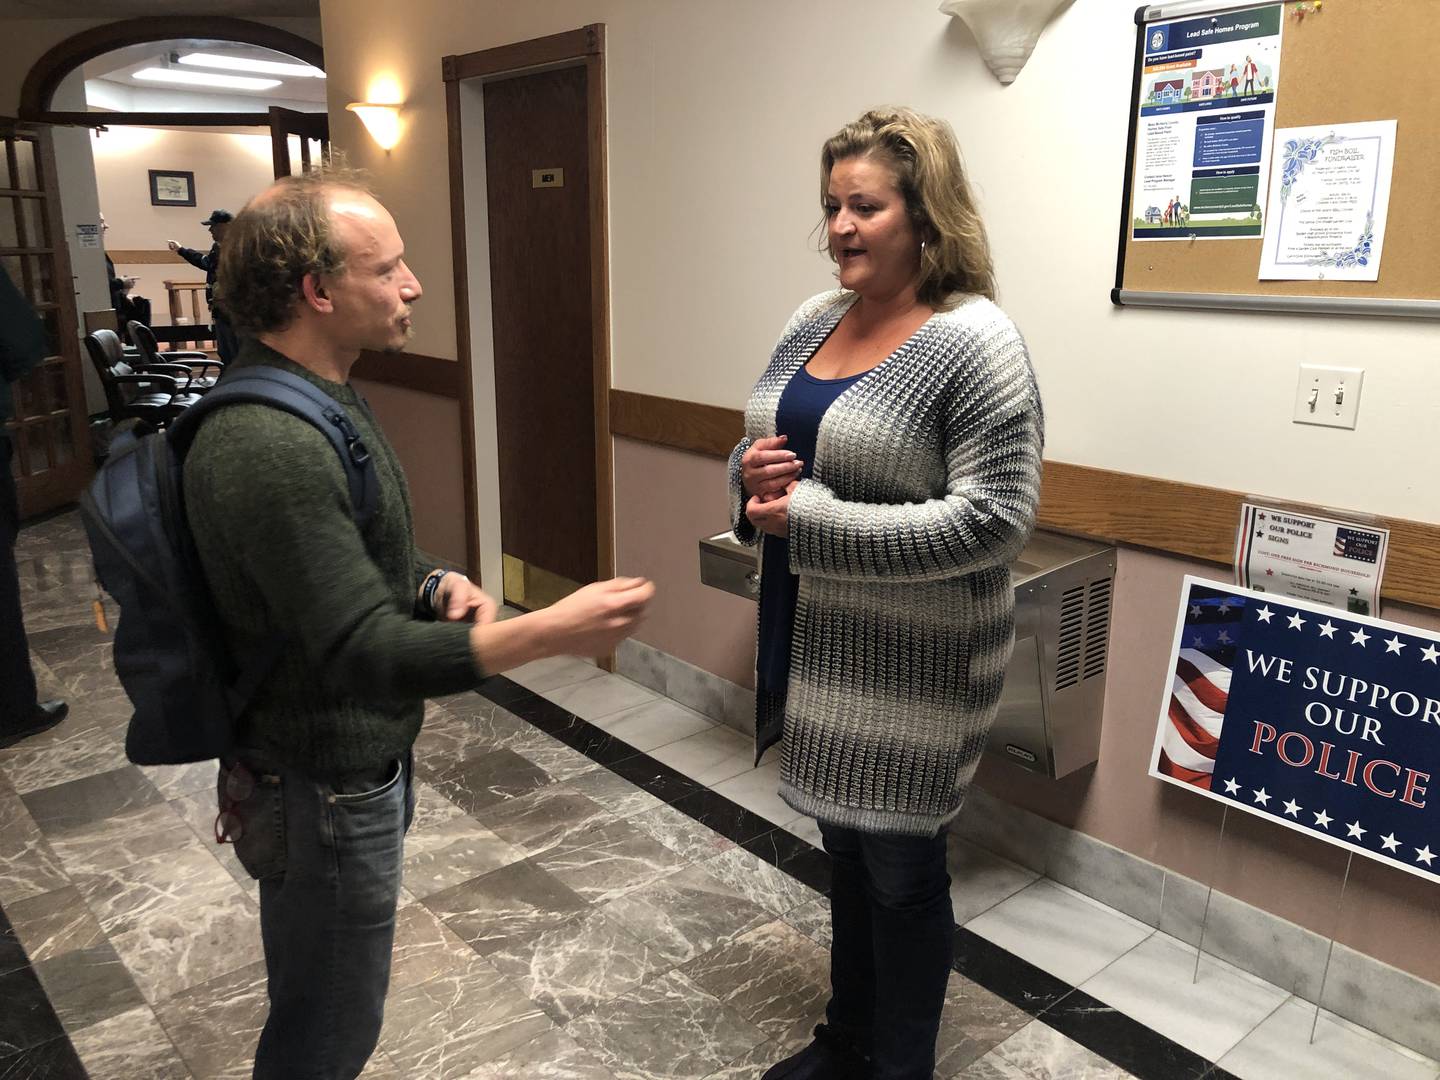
x,y
891,466
22,347
126,307
226,344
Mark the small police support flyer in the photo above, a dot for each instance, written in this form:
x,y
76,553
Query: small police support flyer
x,y
1291,553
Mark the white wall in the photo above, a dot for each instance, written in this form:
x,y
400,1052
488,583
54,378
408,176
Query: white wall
x,y
716,115
229,168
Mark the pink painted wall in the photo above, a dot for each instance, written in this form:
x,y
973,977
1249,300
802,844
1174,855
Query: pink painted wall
x,y
424,429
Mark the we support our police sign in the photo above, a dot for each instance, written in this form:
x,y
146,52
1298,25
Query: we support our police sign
x,y
1325,722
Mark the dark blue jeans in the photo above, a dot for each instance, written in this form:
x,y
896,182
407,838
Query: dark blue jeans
x,y
327,855
894,941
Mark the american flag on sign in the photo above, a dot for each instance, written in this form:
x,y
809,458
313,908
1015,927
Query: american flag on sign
x,y
1200,686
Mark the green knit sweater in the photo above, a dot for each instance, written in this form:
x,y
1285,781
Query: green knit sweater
x,y
271,514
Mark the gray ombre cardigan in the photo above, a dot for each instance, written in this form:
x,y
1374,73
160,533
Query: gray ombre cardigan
x,y
925,483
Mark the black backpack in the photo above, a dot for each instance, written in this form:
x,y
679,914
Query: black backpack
x,y
170,654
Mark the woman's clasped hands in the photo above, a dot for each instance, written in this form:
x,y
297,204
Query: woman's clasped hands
x,y
769,474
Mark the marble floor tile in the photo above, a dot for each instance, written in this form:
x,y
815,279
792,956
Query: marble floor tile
x,y
974,1022
686,914
447,1027
553,672
555,758
12,952
754,1063
1152,984
1280,1049
113,842
715,754
452,852
27,865
88,985
488,778
553,1056
123,897
191,943
1059,931
1040,1052
128,1046
80,656
758,881
993,1067
425,948
54,923
680,833
653,724
54,1059
979,879
431,809
175,781
539,821
77,803
614,793
773,976
75,752
807,829
592,699
609,861
215,1025
28,1019
570,969
667,1029
515,901
813,920
758,790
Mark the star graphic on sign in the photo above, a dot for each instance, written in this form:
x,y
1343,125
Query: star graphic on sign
x,y
1425,855
1262,517
1232,786
1327,629
1394,644
1431,654
1354,829
1359,637
1263,614
1197,641
1269,573
1389,843
1262,798
1293,808
1224,638
1224,607
1354,592
1296,622
1322,819
1195,610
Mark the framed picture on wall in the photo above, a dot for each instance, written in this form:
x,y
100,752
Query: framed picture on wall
x,y
169,188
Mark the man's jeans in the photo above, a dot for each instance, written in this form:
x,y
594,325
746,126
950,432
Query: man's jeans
x,y
17,680
327,856
894,940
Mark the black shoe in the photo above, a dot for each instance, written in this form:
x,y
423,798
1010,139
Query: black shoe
x,y
828,1057
45,716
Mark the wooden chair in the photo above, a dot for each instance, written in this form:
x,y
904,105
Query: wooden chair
x,y
158,395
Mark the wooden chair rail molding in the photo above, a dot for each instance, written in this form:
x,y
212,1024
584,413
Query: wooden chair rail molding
x,y
1166,515
410,371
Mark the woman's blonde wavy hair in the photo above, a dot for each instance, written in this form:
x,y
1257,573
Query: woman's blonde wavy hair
x,y
280,236
925,157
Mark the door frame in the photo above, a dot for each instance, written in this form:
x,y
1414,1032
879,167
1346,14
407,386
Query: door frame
x,y
585,46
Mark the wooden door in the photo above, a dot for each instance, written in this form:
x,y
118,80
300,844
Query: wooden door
x,y
308,127
52,460
537,183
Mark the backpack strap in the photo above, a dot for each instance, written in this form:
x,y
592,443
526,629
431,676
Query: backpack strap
x,y
266,385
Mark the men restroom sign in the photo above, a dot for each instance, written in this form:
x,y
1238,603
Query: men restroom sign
x,y
1327,723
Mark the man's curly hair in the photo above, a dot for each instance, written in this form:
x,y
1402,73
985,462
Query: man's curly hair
x,y
280,236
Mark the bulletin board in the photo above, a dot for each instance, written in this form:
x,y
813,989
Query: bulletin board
x,y
1342,61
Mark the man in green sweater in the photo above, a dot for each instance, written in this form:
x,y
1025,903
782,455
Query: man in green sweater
x,y
317,803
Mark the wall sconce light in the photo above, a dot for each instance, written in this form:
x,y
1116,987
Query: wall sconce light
x,y
1005,30
382,121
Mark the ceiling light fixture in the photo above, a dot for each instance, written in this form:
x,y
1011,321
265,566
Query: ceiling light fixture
x,y
200,78
240,63
382,121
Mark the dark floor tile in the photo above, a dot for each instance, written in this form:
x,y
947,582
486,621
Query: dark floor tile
x,y
489,778
518,899
729,819
12,953
537,711
502,691
27,1019
1106,1031
90,799
788,853
86,986
1019,982
54,923
53,1060
599,746
660,780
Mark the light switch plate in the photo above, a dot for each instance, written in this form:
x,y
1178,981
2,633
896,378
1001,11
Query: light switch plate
x,y
1328,396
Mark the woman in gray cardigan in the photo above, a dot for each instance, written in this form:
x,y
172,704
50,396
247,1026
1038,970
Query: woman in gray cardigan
x,y
892,466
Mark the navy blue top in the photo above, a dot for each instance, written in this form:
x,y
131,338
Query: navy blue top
x,y
801,408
